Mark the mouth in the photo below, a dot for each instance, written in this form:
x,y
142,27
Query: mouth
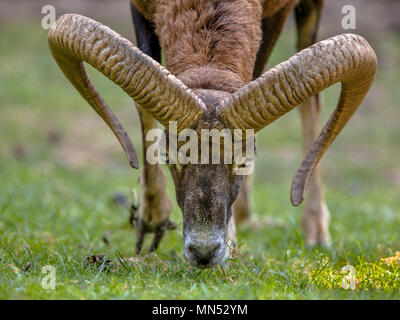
x,y
206,262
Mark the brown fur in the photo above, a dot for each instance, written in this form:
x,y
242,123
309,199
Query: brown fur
x,y
271,7
214,45
272,25
146,7
206,43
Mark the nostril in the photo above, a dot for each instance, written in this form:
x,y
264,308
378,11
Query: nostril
x,y
196,252
205,252
192,249
216,247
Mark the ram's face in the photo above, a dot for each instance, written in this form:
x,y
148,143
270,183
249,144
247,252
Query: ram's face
x,y
205,193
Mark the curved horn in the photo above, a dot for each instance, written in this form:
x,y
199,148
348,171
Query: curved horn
x,y
74,39
347,58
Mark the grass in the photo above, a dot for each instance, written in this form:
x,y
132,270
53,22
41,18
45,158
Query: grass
x,y
60,166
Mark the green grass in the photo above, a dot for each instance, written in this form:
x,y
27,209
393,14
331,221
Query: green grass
x,y
60,166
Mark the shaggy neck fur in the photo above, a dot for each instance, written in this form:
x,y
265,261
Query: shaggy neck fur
x,y
210,44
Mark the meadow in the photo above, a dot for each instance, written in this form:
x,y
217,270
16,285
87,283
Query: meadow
x,y
60,167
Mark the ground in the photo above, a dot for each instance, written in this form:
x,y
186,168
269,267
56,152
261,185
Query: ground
x,y
60,167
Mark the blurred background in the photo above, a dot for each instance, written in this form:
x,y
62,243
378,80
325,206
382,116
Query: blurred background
x,y
60,165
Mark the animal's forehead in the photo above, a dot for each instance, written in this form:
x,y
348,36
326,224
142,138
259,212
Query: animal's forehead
x,y
212,99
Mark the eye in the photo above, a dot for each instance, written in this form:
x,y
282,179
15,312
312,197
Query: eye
x,y
164,157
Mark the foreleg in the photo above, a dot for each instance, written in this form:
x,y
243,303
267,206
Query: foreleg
x,y
315,217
